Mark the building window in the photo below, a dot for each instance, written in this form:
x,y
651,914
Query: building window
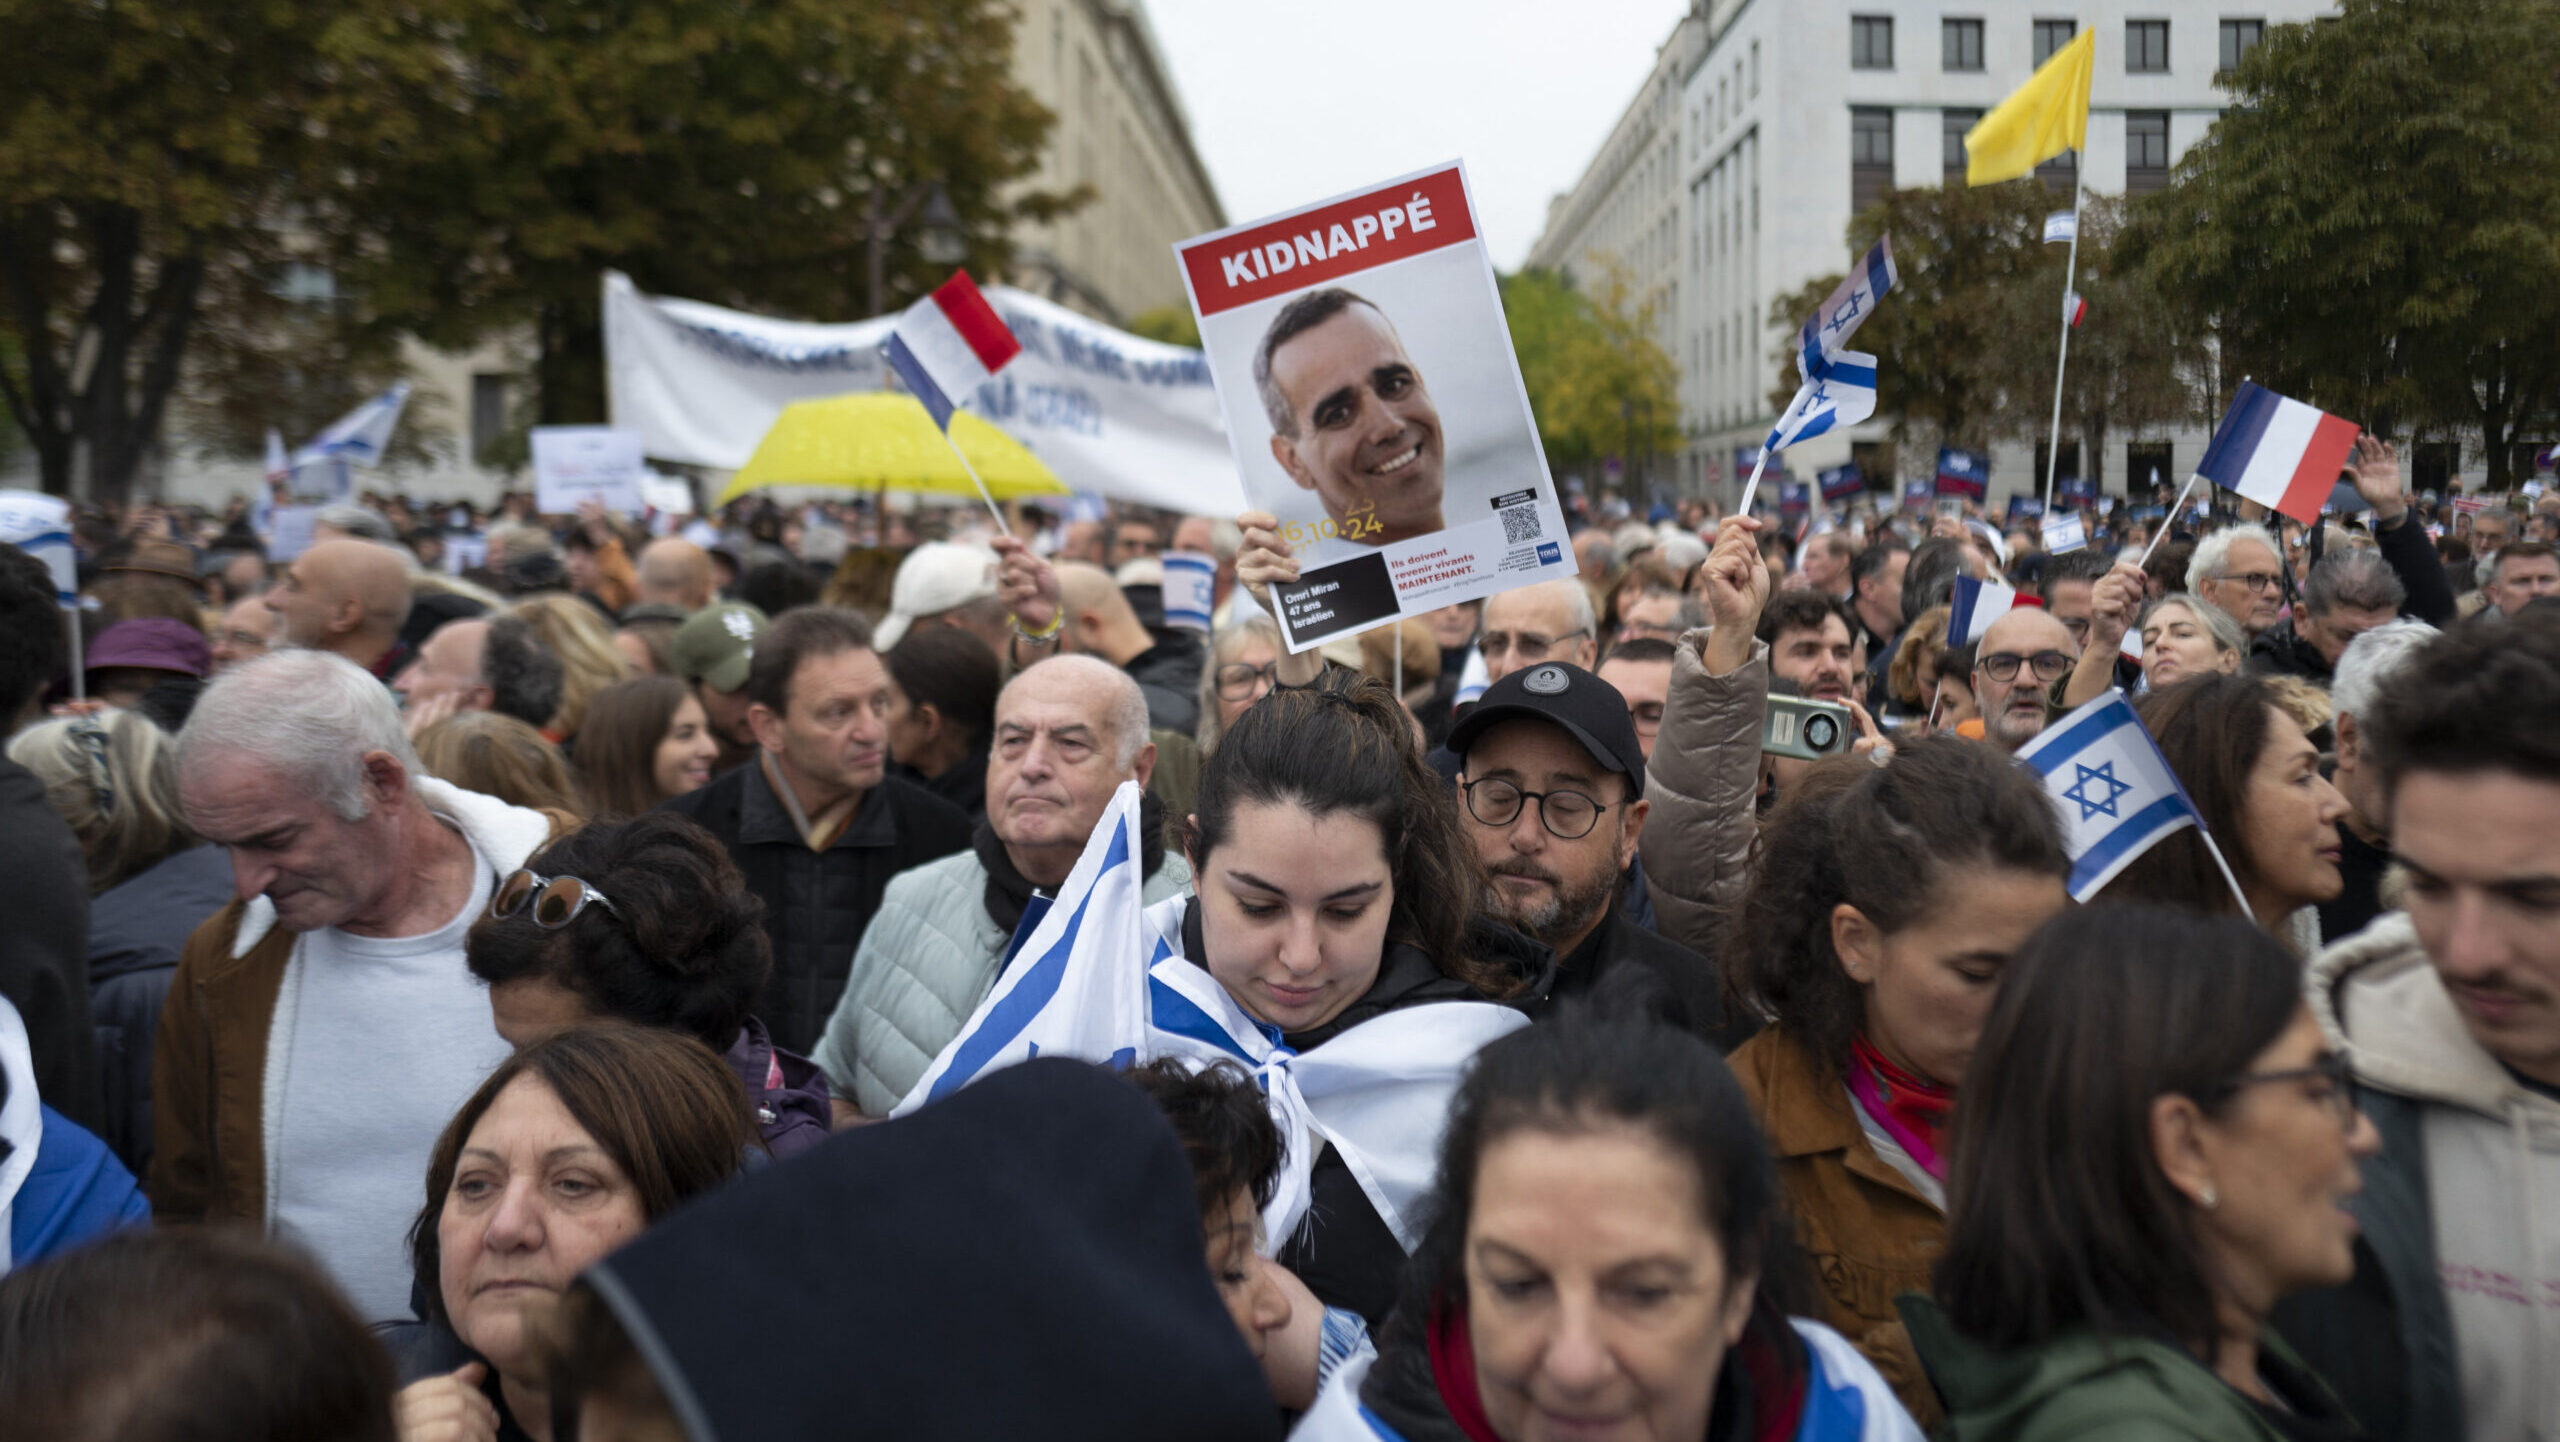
x,y
2146,464
1960,44
2146,47
488,415
1871,42
1957,124
1755,67
2068,470
2061,173
2146,151
2052,35
2239,37
1870,156
2438,464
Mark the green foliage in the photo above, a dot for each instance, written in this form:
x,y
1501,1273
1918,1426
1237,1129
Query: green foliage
x,y
1599,384
464,168
1966,344
2369,228
1172,324
735,152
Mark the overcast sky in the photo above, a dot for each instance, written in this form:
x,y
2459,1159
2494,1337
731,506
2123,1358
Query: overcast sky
x,y
1294,102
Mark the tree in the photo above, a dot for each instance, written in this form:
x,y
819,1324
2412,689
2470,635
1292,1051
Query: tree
x,y
1599,384
1965,346
742,153
2369,227
139,143
1172,324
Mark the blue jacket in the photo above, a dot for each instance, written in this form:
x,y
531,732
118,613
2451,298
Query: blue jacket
x,y
75,1191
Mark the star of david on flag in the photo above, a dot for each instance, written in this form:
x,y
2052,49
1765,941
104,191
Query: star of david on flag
x,y
2115,792
1841,392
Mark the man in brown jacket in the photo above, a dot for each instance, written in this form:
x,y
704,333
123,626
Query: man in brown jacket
x,y
323,1028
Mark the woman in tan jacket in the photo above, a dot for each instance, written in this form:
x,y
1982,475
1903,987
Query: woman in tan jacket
x,y
1884,902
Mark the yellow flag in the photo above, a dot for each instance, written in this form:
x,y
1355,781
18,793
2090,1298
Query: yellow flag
x,y
2041,119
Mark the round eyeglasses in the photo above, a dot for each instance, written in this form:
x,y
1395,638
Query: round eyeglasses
x,y
1567,815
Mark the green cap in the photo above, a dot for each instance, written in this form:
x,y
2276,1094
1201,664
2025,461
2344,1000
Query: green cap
x,y
716,645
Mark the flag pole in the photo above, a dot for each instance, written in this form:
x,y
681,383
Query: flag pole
x,y
79,675
2236,893
2162,534
2070,275
1752,487
983,493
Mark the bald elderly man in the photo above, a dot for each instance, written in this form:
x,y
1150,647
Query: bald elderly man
x,y
1099,621
673,571
348,598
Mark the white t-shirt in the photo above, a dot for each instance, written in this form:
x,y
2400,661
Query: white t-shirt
x,y
376,1043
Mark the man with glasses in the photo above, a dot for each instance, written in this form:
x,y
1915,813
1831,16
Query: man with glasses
x,y
1552,786
322,1029
2237,569
1550,621
2347,594
1640,670
2450,1013
2014,669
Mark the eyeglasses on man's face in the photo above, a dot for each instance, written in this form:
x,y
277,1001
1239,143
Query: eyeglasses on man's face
x,y
2254,580
2003,665
1567,815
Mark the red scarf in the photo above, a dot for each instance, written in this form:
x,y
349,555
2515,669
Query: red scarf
x,y
1911,1111
1777,1380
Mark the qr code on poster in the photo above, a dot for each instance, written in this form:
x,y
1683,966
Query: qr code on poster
x,y
1520,523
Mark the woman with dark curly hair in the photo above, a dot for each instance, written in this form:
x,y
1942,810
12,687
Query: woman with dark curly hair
x,y
1883,908
646,921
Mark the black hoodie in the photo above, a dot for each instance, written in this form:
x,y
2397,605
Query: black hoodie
x,y
1020,1259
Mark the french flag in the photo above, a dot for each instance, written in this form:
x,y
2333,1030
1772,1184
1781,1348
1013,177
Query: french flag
x,y
948,344
1975,605
2278,452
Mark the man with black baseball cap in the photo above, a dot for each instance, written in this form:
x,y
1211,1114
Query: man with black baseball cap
x,y
1551,781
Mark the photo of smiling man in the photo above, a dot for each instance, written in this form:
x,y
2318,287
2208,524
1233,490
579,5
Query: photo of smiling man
x,y
1351,419
1374,406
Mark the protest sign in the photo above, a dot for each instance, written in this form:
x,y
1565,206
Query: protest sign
x,y
1111,413
1373,404
572,464
1915,495
289,533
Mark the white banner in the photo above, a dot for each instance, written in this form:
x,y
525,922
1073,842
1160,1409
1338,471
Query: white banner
x,y
1112,413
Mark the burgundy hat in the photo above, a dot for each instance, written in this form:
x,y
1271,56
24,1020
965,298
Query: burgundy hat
x,y
154,642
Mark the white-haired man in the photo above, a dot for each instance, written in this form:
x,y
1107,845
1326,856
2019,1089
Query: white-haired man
x,y
2239,569
1550,621
1068,731
322,1028
2369,666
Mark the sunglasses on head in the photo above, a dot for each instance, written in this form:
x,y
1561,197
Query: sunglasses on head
x,y
556,900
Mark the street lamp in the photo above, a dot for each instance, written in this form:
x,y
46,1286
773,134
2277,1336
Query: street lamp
x,y
940,237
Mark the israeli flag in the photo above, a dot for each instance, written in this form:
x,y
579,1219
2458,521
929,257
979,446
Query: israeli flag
x,y
1077,985
1840,392
359,437
2115,791
1103,979
40,525
2061,225
1826,335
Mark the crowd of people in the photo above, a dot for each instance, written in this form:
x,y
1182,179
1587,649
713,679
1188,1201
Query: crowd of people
x,y
478,977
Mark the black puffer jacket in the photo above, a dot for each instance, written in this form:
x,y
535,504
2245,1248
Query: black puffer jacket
x,y
136,930
816,904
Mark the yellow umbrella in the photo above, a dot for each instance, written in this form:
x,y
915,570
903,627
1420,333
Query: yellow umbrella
x,y
879,440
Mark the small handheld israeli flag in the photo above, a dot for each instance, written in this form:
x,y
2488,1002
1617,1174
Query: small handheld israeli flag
x,y
1827,333
1078,984
2061,225
2115,792
1190,589
1841,392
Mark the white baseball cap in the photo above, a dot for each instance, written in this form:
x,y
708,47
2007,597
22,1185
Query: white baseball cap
x,y
935,577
